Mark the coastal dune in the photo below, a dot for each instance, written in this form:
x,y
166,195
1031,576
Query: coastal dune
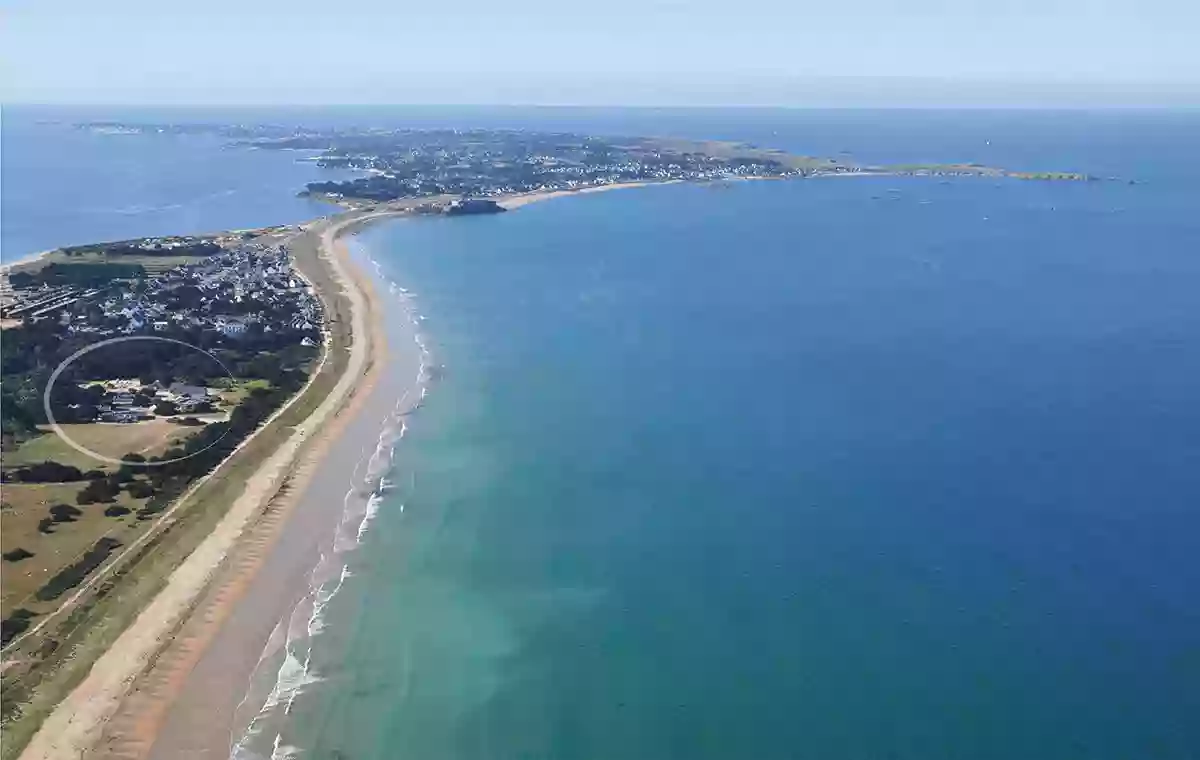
x,y
128,690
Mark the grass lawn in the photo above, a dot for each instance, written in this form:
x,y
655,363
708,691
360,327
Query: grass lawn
x,y
112,439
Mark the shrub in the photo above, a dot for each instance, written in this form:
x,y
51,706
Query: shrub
x,y
14,624
64,513
16,555
116,510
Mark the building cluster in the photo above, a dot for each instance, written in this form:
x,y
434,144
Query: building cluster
x,y
131,401
247,287
488,164
36,303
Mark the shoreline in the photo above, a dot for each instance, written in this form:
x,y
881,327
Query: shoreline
x,y
125,705
77,724
124,702
32,258
515,201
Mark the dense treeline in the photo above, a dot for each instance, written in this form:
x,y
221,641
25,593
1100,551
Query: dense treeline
x,y
72,575
43,472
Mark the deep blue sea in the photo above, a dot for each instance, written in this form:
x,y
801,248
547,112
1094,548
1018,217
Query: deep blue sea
x,y
841,469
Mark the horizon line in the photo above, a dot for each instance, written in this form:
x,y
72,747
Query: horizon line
x,y
1182,106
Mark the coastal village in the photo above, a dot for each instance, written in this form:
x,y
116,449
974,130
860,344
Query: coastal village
x,y
241,288
211,334
492,163
486,164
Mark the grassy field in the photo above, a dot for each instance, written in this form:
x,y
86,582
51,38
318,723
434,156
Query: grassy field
x,y
23,507
47,666
151,263
110,439
734,150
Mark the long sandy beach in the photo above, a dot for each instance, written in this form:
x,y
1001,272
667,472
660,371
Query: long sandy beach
x,y
130,692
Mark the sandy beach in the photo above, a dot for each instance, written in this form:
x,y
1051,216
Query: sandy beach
x,y
119,707
516,201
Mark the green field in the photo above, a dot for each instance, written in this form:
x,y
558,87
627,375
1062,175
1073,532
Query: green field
x,y
110,439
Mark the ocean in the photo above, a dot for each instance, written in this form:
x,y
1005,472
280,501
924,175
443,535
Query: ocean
x,y
64,186
847,468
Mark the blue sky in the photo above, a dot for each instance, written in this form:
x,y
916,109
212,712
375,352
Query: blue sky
x,y
666,52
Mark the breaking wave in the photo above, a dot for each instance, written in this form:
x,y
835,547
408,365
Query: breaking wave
x,y
289,651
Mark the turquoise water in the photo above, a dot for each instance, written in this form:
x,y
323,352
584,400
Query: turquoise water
x,y
847,468
850,468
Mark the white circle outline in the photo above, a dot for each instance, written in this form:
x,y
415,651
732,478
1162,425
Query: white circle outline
x,y
92,347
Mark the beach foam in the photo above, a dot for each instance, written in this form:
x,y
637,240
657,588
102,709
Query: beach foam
x,y
361,503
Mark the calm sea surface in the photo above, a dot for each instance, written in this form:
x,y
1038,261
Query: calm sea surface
x,y
831,469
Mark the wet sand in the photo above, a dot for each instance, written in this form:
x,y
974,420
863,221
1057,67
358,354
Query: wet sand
x,y
201,704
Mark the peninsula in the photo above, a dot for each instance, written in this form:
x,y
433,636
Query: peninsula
x,y
408,164
177,466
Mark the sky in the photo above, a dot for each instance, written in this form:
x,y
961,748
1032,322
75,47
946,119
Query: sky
x,y
617,52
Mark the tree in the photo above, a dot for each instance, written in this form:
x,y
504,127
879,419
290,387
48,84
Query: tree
x,y
140,489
